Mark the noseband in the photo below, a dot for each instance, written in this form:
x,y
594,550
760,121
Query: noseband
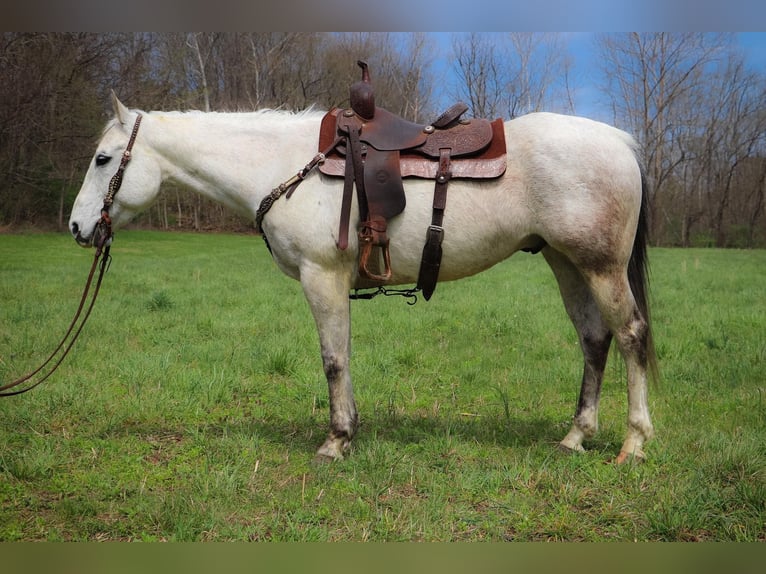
x,y
102,236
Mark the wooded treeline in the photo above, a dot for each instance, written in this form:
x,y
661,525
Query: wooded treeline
x,y
689,98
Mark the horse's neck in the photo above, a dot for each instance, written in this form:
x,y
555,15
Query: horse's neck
x,y
234,159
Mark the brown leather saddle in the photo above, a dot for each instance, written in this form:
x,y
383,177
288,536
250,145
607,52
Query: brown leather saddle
x,y
377,149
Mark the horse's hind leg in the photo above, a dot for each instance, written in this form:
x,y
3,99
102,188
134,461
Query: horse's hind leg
x,y
327,294
594,337
613,294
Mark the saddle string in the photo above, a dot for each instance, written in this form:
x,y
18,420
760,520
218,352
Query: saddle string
x,y
102,235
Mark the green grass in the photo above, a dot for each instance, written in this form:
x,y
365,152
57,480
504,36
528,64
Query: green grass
x,y
191,407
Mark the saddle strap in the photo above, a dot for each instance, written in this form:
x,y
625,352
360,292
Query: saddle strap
x,y
354,171
430,261
345,208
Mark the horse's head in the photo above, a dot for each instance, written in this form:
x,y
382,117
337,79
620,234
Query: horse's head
x,y
140,184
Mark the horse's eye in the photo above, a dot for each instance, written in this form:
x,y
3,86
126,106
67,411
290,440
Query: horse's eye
x,y
102,159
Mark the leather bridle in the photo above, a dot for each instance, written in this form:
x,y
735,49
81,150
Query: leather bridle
x,y
103,231
102,239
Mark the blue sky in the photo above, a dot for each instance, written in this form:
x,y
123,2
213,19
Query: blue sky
x,y
589,100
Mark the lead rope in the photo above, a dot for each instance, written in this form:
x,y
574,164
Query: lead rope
x,y
102,235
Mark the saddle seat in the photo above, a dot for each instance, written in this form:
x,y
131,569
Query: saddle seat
x,y
374,149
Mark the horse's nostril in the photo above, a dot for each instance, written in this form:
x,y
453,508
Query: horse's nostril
x,y
75,229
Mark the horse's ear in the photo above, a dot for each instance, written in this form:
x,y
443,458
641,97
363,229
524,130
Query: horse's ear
x,y
120,111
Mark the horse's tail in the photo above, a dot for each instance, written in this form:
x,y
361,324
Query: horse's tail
x,y
638,275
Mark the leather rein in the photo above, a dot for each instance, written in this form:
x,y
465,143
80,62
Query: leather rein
x,y
102,240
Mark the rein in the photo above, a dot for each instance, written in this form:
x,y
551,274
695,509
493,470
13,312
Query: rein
x,y
102,239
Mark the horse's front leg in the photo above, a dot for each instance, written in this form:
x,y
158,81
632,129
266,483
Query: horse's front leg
x,y
327,294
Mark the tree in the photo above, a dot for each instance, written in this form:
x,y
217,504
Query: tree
x,y
48,115
482,77
508,75
540,74
697,112
653,79
736,132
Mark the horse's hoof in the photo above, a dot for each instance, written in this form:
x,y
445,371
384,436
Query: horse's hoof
x,y
331,450
569,450
636,457
320,458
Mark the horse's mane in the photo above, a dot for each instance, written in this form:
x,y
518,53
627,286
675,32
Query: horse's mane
x,y
264,113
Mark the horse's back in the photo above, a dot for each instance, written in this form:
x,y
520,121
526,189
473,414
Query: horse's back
x,y
546,142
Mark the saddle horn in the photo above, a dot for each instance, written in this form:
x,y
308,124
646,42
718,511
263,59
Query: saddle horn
x,y
362,96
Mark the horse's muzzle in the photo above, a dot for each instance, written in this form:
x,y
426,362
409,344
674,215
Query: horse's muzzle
x,y
81,240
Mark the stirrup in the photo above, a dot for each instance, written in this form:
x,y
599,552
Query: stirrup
x,y
365,250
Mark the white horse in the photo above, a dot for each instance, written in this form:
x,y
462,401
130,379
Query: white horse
x,y
573,187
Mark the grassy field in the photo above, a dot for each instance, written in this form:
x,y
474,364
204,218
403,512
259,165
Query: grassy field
x,y
192,405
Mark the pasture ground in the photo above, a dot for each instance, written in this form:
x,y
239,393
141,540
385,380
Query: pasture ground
x,y
191,406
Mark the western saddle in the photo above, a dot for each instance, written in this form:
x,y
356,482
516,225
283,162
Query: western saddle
x,y
374,149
